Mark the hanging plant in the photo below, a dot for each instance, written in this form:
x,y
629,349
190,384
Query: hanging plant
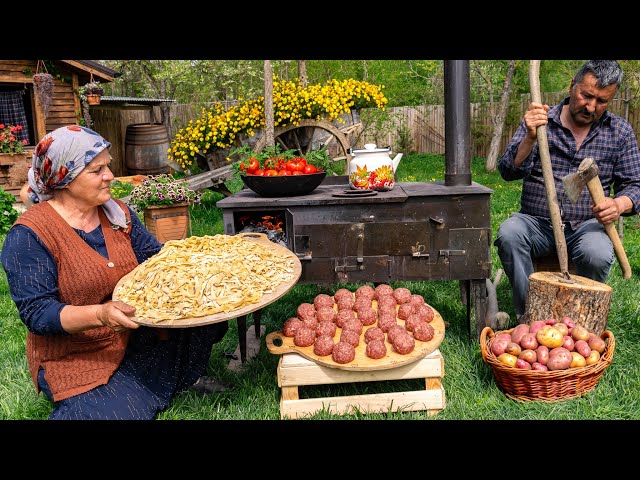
x,y
43,88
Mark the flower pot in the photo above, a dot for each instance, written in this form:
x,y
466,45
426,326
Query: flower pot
x,y
93,99
168,222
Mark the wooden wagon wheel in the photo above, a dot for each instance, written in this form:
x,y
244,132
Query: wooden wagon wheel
x,y
300,137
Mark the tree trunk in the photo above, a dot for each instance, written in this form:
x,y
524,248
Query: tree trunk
x,y
498,124
268,104
302,73
584,301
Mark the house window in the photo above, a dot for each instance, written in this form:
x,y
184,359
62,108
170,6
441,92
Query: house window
x,y
16,108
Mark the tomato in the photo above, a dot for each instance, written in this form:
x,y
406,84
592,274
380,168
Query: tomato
x,y
253,165
297,172
259,172
271,173
242,166
310,169
296,164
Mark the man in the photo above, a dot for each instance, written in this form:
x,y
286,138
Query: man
x,y
579,127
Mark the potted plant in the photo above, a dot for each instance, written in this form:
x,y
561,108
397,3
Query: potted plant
x,y
14,161
164,202
92,91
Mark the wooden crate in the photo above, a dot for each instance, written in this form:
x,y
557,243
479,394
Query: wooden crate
x,y
295,371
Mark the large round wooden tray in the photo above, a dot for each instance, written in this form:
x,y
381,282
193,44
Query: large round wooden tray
x,y
361,362
266,299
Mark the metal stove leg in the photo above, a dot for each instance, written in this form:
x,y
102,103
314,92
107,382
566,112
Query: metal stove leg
x,y
256,321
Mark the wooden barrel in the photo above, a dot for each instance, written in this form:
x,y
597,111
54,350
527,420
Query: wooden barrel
x,y
145,149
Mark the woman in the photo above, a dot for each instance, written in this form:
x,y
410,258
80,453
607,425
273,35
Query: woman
x,y
63,258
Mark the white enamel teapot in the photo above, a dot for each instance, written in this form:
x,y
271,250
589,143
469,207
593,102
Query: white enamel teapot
x,y
372,168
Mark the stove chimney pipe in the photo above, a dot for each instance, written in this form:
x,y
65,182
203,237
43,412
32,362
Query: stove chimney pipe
x,y
457,145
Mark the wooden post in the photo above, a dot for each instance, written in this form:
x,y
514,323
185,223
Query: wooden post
x,y
268,104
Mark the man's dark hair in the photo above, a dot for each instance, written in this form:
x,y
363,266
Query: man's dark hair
x,y
607,72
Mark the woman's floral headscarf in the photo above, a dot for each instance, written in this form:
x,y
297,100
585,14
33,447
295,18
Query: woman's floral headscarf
x,y
59,157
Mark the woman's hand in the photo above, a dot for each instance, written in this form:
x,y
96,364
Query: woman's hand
x,y
535,116
115,315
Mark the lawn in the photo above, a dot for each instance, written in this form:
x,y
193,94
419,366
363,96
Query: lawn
x,y
470,390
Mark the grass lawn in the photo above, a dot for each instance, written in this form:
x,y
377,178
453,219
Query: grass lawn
x,y
471,393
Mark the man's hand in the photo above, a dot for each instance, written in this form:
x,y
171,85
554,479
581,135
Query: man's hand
x,y
610,209
535,116
115,315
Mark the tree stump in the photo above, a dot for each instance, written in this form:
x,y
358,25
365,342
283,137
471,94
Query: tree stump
x,y
585,301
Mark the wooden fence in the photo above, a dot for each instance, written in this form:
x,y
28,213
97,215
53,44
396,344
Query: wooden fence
x,y
425,125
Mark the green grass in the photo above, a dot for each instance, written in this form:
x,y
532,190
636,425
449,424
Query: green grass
x,y
470,390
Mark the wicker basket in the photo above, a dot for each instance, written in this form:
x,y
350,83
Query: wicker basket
x,y
549,386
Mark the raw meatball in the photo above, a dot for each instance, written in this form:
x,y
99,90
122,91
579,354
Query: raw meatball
x,y
373,333
342,294
425,312
405,310
365,291
323,346
343,352
402,295
423,332
386,322
376,349
311,322
416,300
346,303
387,301
355,325
395,330
291,326
381,290
326,314
343,316
362,303
306,310
367,316
351,337
304,337
412,321
322,300
388,311
326,328
404,343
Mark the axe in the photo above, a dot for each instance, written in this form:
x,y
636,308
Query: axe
x,y
574,183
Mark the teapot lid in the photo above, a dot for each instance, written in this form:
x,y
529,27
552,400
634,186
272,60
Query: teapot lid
x,y
371,148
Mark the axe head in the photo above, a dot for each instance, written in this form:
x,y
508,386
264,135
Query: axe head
x,y
575,182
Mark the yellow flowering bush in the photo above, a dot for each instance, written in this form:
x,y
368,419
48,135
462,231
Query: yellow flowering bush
x,y
217,128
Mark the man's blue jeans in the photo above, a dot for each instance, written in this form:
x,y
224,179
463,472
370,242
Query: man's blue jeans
x,y
523,237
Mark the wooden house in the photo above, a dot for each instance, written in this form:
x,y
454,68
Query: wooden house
x,y
17,100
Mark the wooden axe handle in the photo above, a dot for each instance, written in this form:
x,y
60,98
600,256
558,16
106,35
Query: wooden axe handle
x,y
597,194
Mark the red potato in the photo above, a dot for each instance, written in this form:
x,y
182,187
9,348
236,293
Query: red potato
x,y
568,343
582,348
518,332
597,344
550,321
535,326
528,356
528,341
559,359
543,354
520,363
499,345
539,366
568,322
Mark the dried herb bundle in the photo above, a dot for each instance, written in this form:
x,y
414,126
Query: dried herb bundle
x,y
43,86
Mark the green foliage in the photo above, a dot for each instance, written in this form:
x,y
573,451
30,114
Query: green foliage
x,y
404,140
121,189
8,214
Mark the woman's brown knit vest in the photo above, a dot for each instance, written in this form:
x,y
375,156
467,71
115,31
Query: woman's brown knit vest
x,y
77,363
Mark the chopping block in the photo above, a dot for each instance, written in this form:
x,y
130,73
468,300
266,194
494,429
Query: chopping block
x,y
585,301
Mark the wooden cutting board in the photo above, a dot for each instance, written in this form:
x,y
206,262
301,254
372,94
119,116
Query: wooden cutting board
x,y
278,343
266,299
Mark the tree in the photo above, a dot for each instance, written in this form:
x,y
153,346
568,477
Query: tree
x,y
499,119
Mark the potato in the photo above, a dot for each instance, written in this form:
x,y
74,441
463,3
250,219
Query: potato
x,y
577,360
529,356
563,328
499,344
539,366
597,344
583,348
518,332
593,357
543,354
520,363
550,321
528,341
549,337
535,326
568,322
559,359
513,348
578,332
508,359
568,343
